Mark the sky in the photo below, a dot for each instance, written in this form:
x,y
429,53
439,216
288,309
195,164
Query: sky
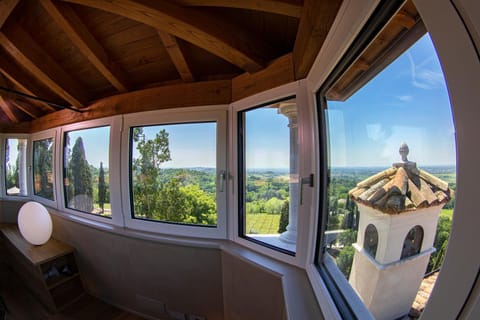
x,y
407,102
191,144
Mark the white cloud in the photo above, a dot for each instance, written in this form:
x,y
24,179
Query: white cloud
x,y
405,98
422,77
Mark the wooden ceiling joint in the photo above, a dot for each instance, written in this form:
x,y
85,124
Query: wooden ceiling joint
x,y
7,108
77,32
6,8
216,35
33,58
176,55
283,7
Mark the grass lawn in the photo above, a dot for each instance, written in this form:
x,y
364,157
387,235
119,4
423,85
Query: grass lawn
x,y
262,223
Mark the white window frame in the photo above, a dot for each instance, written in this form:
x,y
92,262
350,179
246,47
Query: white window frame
x,y
52,133
3,189
178,116
115,124
306,164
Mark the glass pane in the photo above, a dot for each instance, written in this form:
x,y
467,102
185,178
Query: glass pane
x,y
43,168
270,171
86,172
173,173
16,167
391,149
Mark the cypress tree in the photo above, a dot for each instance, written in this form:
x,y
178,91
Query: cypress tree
x,y
102,187
82,178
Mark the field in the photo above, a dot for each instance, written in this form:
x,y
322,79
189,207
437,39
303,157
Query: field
x,y
262,223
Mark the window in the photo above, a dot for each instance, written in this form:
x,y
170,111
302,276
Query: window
x,y
388,145
413,242
268,174
173,173
16,167
177,179
43,168
86,172
371,240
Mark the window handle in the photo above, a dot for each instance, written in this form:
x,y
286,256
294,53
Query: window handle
x,y
305,180
222,177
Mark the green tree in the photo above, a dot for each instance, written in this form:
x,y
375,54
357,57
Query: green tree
x,y
146,174
284,217
345,260
102,188
43,167
82,178
273,205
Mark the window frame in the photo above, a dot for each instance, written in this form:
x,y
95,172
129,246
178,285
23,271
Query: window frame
x,y
306,165
114,123
3,187
47,134
216,114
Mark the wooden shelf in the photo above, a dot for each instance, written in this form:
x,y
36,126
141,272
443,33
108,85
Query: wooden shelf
x,y
33,263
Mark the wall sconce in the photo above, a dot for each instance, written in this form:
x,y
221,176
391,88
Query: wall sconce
x,y
34,223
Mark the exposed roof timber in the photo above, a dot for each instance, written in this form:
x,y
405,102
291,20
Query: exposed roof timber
x,y
20,79
6,8
284,7
26,108
8,110
315,23
175,53
218,36
170,96
81,37
33,58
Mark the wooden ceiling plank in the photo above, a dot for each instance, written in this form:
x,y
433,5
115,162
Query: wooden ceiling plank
x,y
317,18
218,36
6,8
27,109
175,53
33,58
284,7
20,79
7,109
77,32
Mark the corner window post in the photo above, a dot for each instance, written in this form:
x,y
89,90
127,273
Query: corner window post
x,y
290,111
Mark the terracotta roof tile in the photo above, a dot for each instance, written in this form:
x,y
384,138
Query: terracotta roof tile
x,y
401,188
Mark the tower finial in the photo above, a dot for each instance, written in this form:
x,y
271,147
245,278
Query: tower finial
x,y
404,151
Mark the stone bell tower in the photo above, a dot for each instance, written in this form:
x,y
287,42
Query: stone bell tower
x,y
399,210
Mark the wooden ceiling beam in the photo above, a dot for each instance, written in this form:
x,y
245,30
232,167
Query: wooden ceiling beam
x,y
77,32
315,23
165,97
175,53
6,107
284,7
6,8
31,111
216,35
33,58
21,80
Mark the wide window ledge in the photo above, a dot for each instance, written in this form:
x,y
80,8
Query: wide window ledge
x,y
275,241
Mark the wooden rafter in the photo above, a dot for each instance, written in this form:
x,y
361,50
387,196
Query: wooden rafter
x,y
175,53
8,110
317,18
20,79
33,58
81,37
6,8
284,7
211,33
26,108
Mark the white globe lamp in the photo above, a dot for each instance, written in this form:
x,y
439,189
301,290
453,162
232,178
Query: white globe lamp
x,y
34,223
